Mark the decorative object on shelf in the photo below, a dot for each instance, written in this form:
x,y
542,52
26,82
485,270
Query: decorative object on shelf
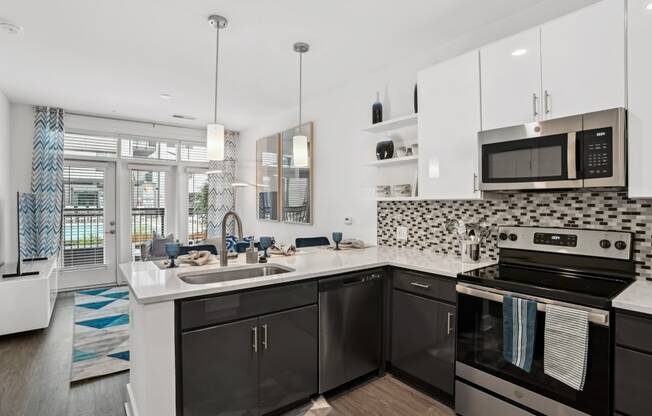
x,y
402,190
377,110
300,140
414,149
416,100
383,191
215,131
337,237
172,251
401,151
385,150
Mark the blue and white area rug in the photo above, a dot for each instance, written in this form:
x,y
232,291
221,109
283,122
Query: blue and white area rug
x,y
101,335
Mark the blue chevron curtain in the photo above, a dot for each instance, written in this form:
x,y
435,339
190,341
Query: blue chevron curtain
x,y
47,182
221,195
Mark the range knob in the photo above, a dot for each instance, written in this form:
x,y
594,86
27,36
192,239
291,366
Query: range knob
x,y
513,237
502,236
620,245
605,244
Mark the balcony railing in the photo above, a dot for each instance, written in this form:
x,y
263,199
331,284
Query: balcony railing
x,y
197,226
83,236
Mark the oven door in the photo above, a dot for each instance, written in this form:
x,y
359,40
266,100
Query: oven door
x,y
480,359
531,156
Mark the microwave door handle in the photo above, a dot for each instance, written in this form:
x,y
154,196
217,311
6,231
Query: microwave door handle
x,y
596,316
572,155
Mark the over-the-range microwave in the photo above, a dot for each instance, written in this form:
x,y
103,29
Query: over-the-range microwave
x,y
583,151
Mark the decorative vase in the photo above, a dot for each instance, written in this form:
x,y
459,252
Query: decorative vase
x,y
416,100
385,150
377,110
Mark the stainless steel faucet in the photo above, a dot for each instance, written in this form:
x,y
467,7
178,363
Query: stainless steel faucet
x,y
224,254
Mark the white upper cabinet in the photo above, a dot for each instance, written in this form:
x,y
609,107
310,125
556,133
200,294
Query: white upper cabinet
x,y
511,80
449,121
639,52
583,60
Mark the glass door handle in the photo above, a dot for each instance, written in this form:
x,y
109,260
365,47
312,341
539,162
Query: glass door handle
x,y
110,232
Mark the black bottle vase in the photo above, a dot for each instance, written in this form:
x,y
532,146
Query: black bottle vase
x,y
416,100
377,110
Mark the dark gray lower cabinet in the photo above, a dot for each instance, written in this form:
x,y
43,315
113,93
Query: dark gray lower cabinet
x,y
288,357
250,367
220,370
423,340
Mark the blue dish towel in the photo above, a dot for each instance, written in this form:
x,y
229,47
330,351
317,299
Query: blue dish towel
x,y
519,329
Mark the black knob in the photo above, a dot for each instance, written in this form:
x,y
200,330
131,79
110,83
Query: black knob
x,y
513,237
605,244
620,245
502,236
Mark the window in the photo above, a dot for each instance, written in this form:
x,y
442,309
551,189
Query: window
x,y
83,217
147,148
147,207
191,152
94,146
197,206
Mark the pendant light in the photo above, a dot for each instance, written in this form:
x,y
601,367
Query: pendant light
x,y
215,131
300,140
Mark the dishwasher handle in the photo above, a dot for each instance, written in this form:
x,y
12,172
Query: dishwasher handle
x,y
349,280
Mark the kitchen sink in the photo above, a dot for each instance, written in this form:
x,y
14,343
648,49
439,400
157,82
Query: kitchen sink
x,y
229,274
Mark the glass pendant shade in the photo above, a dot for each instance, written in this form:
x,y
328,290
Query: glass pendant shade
x,y
300,151
215,141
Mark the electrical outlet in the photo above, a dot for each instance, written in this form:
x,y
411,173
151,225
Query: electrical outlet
x,y
401,233
348,220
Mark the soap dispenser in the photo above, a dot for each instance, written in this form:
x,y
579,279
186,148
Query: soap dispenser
x,y
252,253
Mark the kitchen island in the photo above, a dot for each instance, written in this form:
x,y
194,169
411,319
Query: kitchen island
x,y
153,386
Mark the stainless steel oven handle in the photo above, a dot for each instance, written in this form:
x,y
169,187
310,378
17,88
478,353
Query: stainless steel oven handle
x,y
596,316
572,155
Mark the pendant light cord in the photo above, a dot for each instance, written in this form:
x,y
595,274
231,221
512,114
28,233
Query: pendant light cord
x,y
300,86
217,55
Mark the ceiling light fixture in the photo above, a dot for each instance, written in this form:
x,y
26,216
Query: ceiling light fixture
x,y
165,96
10,27
300,140
519,52
215,132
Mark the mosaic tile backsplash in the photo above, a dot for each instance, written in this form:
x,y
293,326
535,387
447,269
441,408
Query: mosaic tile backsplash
x,y
426,220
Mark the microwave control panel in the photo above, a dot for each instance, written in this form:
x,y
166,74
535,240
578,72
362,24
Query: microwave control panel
x,y
597,153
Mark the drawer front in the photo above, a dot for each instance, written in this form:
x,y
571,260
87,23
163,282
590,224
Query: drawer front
x,y
633,382
425,285
226,308
634,331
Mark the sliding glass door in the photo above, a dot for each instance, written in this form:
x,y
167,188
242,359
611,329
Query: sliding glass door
x,y
89,224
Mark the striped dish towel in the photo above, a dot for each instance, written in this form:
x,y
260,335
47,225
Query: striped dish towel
x,y
519,328
566,342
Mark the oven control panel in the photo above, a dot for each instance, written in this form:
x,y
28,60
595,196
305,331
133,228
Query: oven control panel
x,y
556,239
597,243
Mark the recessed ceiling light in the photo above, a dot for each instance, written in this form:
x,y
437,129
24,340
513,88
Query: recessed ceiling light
x,y
10,27
649,6
519,52
165,96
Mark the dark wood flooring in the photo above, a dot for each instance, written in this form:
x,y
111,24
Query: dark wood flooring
x,y
35,381
35,374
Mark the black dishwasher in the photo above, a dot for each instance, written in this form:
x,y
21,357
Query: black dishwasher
x,y
350,325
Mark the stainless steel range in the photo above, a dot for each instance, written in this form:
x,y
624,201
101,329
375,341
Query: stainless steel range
x,y
579,269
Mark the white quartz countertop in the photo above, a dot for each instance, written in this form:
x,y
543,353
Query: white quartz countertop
x,y
150,284
637,297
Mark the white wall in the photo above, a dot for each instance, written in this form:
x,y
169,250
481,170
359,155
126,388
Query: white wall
x,y
343,186
6,199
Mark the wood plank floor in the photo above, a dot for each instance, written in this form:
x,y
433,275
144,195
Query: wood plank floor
x,y
35,374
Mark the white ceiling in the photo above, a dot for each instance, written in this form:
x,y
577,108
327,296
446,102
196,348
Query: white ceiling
x,y
116,57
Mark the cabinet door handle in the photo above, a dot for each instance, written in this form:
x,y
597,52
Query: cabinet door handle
x,y
534,104
546,97
449,327
254,330
421,285
475,181
265,336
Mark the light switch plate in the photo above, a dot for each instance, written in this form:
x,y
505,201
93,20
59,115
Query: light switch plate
x,y
401,233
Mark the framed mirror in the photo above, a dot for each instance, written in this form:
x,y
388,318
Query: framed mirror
x,y
284,176
296,175
267,178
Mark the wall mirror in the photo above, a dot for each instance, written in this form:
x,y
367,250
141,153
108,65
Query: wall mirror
x,y
284,176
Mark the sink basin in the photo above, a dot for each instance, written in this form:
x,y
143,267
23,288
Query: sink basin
x,y
228,274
